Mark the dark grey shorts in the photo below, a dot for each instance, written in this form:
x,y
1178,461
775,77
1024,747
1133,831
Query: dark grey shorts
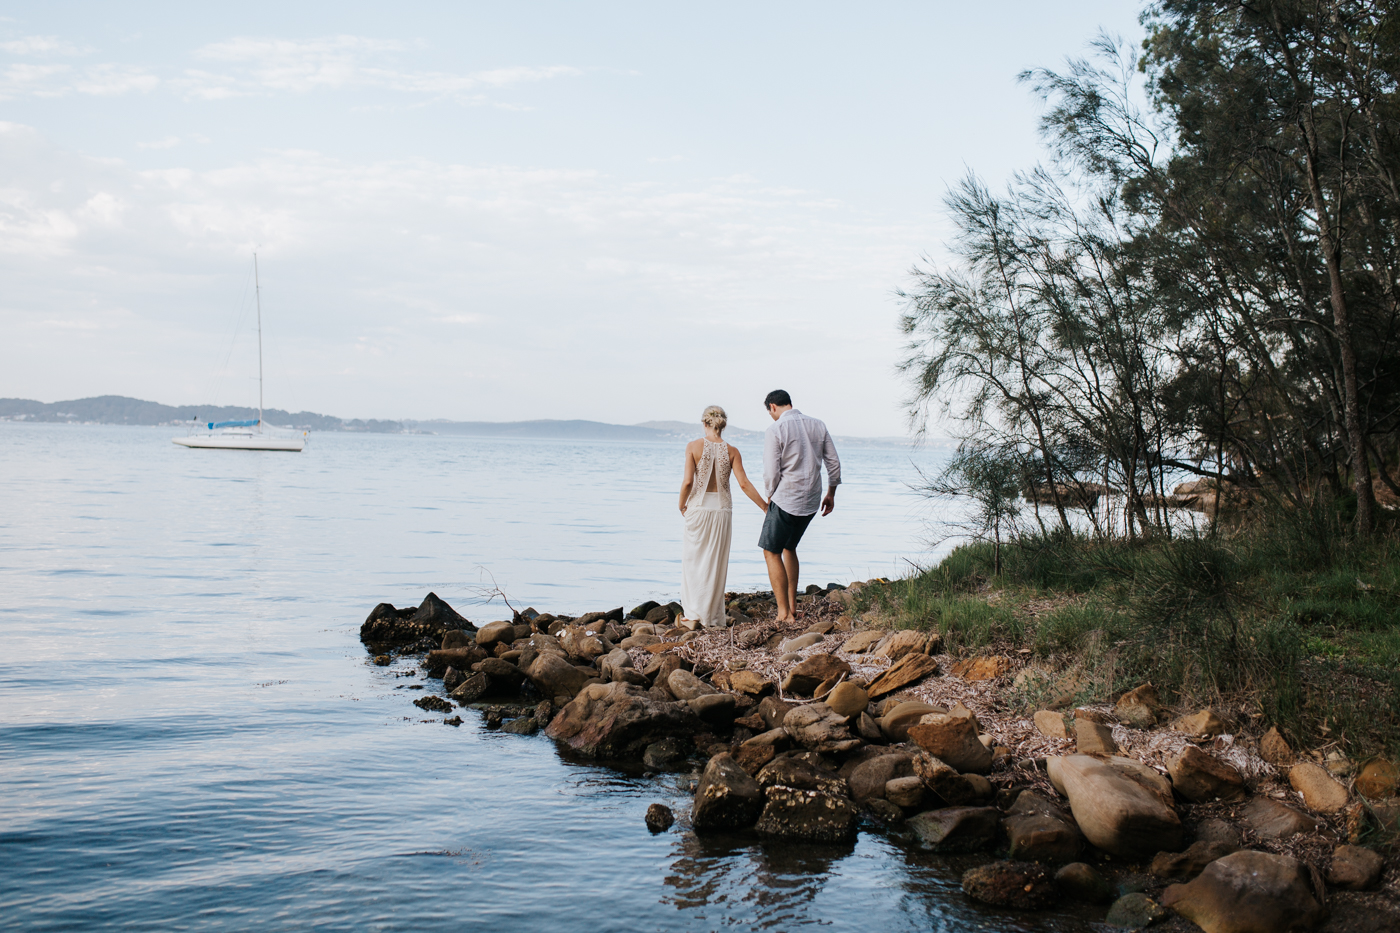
x,y
782,530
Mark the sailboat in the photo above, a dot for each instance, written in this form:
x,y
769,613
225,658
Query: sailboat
x,y
244,435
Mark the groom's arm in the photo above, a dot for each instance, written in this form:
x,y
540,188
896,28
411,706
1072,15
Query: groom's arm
x,y
833,471
772,468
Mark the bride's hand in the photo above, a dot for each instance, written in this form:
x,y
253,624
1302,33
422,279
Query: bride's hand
x,y
682,510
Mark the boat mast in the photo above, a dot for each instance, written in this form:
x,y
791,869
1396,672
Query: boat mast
x,y
257,296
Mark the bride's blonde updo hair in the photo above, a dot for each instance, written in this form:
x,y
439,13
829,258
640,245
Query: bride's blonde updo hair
x,y
714,417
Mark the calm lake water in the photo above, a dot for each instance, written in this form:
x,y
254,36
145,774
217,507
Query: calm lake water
x,y
191,736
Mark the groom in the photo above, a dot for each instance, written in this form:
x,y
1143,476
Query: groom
x,y
794,449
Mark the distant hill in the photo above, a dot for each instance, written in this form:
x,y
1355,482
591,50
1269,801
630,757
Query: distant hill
x,y
118,409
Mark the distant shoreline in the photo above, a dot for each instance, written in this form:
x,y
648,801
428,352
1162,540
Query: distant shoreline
x,y
122,410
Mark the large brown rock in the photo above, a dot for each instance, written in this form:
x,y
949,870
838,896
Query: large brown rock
x,y
619,721
1114,811
556,677
1200,777
1038,830
895,722
727,797
909,669
387,627
870,777
957,829
1320,790
812,672
579,644
1273,821
817,727
974,669
952,739
1018,885
1250,892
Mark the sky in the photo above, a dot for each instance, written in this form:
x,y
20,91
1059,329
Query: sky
x,y
498,211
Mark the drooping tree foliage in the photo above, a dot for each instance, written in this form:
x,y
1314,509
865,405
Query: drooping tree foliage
x,y
1204,284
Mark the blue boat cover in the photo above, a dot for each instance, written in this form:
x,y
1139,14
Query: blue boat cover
x,y
232,424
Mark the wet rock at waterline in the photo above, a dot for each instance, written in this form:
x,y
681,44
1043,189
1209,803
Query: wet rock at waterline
x,y
1018,885
659,818
957,829
433,704
727,797
811,815
1083,882
666,755
387,627
1039,830
1134,912
619,721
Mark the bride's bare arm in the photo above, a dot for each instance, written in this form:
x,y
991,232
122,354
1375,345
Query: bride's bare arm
x,y
736,462
688,480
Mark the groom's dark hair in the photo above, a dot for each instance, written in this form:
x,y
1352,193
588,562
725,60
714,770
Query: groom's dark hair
x,y
777,397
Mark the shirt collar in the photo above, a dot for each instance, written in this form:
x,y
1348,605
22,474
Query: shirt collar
x,y
790,411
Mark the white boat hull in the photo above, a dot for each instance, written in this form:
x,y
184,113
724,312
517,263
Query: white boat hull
x,y
242,442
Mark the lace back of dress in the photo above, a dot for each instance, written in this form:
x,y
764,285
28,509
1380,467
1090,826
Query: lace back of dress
x,y
714,458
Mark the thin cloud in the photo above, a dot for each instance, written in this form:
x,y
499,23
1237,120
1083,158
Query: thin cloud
x,y
22,79
266,66
31,46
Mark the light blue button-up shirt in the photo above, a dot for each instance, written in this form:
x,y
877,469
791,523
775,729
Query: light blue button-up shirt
x,y
794,449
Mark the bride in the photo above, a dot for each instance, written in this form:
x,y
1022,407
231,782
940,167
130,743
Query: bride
x,y
708,511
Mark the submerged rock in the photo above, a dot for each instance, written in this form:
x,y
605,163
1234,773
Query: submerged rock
x,y
1018,885
659,818
1083,882
1134,911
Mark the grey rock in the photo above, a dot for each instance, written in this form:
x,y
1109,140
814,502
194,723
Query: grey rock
x,y
811,815
1134,911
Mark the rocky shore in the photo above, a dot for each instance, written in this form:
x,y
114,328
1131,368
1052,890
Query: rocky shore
x,y
811,731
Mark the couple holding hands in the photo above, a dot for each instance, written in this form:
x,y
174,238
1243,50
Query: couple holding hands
x,y
795,448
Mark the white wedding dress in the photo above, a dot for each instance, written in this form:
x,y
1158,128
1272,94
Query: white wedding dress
x,y
709,522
